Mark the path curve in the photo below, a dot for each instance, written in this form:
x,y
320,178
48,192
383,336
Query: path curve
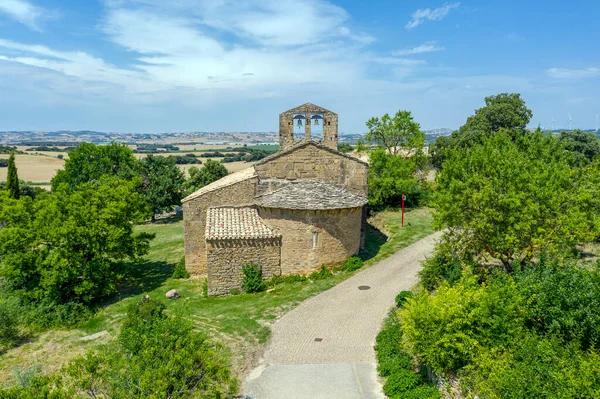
x,y
324,347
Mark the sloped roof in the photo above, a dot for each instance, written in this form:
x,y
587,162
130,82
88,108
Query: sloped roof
x,y
228,180
236,223
303,143
309,107
310,194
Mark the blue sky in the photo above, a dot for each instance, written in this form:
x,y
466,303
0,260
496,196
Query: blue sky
x,y
233,65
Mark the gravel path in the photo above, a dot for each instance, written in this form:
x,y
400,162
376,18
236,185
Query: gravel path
x,y
324,347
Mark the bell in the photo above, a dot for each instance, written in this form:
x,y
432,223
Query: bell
x,y
316,122
299,122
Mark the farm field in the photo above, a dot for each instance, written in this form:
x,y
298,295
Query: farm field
x,y
41,167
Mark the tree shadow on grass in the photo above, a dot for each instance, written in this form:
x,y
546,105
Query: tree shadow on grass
x,y
139,277
374,239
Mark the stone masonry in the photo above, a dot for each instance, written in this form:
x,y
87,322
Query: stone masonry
x,y
227,257
308,110
290,213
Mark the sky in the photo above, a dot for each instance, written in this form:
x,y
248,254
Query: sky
x,y
233,65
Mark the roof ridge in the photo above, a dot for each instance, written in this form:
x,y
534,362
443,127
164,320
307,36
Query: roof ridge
x,y
305,142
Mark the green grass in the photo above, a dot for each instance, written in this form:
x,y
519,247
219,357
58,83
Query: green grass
x,y
385,235
242,321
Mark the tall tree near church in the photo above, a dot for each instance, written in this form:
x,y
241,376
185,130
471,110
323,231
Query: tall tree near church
x,y
12,181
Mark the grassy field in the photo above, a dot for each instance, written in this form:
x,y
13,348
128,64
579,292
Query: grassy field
x,y
241,322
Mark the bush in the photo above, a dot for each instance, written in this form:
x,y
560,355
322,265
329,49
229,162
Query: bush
x,y
180,270
155,356
253,281
322,274
9,330
535,367
351,264
402,297
444,265
390,357
397,365
564,300
445,330
400,382
421,392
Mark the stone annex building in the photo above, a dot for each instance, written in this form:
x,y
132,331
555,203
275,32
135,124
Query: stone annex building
x,y
290,213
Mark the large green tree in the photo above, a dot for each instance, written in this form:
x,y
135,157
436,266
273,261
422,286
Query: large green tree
x,y
584,146
162,182
90,162
12,179
70,246
510,199
390,176
399,134
502,111
211,172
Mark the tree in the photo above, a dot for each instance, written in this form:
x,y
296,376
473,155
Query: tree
x,y
502,111
211,172
509,200
89,162
12,180
162,182
397,134
70,246
390,176
506,111
584,146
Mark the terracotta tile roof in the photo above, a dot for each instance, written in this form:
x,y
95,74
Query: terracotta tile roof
x,y
310,194
235,223
228,180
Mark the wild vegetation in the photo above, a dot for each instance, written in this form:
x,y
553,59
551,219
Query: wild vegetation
x,y
507,307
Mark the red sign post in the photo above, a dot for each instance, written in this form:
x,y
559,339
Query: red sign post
x,y
403,198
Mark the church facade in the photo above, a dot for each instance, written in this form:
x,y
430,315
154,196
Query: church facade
x,y
290,213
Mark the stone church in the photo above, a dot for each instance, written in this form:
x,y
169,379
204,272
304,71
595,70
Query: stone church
x,y
290,213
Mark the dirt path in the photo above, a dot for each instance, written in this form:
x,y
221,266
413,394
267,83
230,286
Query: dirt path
x,y
324,347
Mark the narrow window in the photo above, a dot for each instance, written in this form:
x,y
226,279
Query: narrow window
x,y
315,239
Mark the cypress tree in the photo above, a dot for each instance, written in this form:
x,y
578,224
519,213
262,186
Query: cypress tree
x,y
12,181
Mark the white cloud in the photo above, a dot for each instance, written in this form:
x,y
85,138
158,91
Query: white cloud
x,y
398,61
428,14
426,47
564,73
22,11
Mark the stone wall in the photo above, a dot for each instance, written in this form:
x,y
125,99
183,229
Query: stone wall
x,y
194,211
312,162
338,236
227,257
330,130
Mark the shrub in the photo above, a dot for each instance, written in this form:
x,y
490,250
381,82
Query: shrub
x,y
205,288
402,297
390,357
253,281
445,330
351,264
9,331
155,356
421,392
180,270
564,299
443,265
535,367
400,382
322,274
